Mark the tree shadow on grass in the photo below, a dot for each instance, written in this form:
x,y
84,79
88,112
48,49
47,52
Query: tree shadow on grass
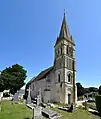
x,y
95,113
26,118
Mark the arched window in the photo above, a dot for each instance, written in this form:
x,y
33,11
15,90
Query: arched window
x,y
69,78
61,50
67,49
71,52
67,62
58,77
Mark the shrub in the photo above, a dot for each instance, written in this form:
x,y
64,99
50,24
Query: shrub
x,y
98,103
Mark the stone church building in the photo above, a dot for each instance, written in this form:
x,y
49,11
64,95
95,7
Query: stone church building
x,y
56,82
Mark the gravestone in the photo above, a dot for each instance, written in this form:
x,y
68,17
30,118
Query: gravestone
x,y
39,101
16,98
37,113
50,114
37,110
29,96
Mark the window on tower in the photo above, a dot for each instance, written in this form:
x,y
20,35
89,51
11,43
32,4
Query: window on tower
x,y
69,78
71,51
71,64
61,50
58,77
67,49
67,62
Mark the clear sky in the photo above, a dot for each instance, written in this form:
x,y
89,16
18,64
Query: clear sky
x,y
28,31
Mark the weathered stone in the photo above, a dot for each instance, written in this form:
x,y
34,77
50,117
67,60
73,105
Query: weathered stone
x,y
16,98
58,80
48,113
37,113
29,97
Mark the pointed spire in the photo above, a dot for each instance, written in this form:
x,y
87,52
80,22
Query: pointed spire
x,y
64,32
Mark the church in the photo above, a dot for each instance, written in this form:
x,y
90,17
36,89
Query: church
x,y
57,82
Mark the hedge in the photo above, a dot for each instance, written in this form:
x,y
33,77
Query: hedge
x,y
98,103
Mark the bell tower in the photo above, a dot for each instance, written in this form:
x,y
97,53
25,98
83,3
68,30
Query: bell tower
x,y
63,63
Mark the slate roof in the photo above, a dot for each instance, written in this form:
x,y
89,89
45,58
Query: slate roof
x,y
31,81
41,75
64,32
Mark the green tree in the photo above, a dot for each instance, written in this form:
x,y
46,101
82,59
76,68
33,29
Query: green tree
x,y
99,90
87,90
1,85
93,89
80,90
13,78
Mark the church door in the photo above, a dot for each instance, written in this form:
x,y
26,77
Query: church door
x,y
69,98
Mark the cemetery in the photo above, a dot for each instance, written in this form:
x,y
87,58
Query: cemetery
x,y
18,111
53,93
36,109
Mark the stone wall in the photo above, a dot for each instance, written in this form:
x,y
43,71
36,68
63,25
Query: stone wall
x,y
47,83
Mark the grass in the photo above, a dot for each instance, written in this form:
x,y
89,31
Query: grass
x,y
62,104
15,111
78,114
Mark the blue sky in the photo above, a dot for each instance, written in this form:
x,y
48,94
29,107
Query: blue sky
x,y
28,31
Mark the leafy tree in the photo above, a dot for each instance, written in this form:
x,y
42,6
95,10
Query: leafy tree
x,y
13,78
98,103
93,89
80,89
1,85
87,90
99,90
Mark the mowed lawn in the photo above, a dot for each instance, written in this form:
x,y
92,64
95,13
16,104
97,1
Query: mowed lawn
x,y
15,111
78,114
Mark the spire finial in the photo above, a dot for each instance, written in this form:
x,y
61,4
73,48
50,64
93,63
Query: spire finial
x,y
64,12
64,32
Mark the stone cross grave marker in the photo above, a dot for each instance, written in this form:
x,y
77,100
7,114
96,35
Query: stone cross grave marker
x,y
37,110
29,96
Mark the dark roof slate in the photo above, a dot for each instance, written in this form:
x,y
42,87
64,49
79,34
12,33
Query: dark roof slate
x,y
64,32
31,81
43,74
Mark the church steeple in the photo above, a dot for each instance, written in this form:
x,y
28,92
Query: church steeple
x,y
64,32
